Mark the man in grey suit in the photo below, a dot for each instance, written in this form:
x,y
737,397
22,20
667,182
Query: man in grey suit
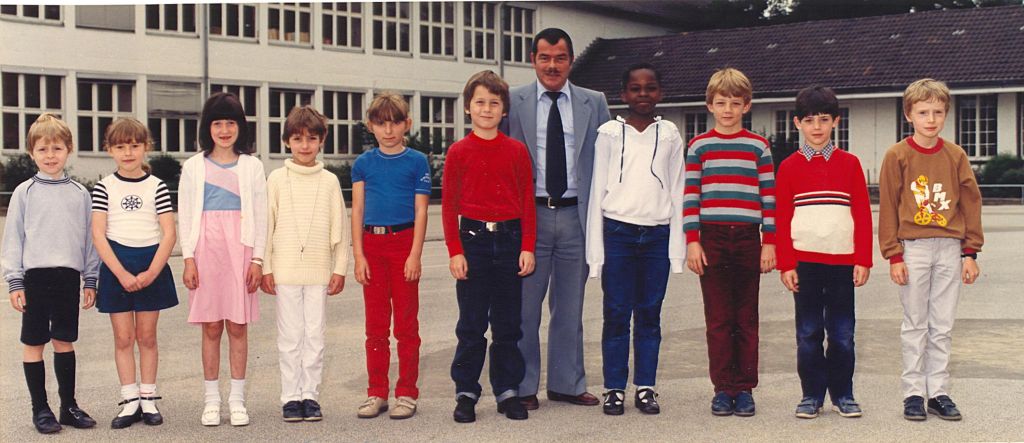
x,y
558,122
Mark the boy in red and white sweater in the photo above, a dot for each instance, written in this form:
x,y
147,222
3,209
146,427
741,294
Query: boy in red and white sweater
x,y
823,241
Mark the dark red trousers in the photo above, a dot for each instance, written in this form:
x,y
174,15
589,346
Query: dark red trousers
x,y
387,292
730,285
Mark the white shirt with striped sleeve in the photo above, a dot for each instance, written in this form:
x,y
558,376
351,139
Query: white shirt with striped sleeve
x,y
132,206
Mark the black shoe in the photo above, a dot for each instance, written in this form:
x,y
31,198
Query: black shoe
x,y
721,405
944,407
75,417
913,408
647,401
121,422
744,404
311,410
292,411
613,402
45,421
513,409
465,409
151,419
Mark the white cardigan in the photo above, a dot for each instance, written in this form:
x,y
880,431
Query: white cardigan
x,y
252,183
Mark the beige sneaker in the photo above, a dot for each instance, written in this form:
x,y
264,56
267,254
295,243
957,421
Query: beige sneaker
x,y
405,407
239,415
372,407
211,414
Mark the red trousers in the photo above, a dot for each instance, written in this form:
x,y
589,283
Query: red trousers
x,y
387,292
730,286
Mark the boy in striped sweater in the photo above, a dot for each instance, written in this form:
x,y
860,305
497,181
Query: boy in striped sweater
x,y
824,251
730,190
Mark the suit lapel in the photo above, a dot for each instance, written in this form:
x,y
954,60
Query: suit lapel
x,y
580,116
528,118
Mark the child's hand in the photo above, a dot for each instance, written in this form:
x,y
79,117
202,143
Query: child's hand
x,y
145,278
898,273
253,276
18,300
362,271
458,267
413,268
695,258
790,280
526,263
129,282
268,284
89,294
336,285
860,275
191,274
971,271
767,258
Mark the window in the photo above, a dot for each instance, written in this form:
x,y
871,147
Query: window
x,y
437,121
171,17
696,124
391,23
248,96
841,133
904,128
516,34
99,103
344,111
343,24
786,133
25,97
976,124
174,115
437,28
233,20
281,103
478,30
289,22
110,17
748,121
46,13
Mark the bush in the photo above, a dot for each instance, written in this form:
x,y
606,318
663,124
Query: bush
x,y
1002,169
18,169
166,168
343,171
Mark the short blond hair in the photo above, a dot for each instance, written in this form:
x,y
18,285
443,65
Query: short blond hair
x,y
387,107
49,126
729,82
925,89
126,130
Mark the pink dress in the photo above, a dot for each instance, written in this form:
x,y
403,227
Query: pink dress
x,y
220,256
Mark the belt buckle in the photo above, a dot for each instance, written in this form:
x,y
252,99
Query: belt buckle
x,y
380,230
491,226
551,203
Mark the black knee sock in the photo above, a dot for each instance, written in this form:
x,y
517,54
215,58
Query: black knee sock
x,y
35,376
64,368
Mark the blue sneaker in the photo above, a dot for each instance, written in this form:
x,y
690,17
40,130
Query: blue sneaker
x,y
809,407
847,407
744,404
721,405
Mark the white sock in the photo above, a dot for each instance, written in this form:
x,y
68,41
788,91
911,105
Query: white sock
x,y
237,395
212,391
129,392
147,390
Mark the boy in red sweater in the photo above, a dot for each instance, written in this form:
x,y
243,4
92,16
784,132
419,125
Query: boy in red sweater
x,y
488,180
823,241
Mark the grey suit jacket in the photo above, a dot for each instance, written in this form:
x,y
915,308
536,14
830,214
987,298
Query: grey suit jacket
x,y
589,111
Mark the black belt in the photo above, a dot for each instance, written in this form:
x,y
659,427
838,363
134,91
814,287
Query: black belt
x,y
469,224
552,202
393,229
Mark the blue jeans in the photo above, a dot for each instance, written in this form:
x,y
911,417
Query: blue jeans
x,y
634,278
491,293
824,305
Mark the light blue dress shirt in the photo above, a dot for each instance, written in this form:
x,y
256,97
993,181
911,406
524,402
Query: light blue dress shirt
x,y
565,110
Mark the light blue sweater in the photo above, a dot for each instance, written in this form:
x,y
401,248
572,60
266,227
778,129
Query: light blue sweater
x,y
48,226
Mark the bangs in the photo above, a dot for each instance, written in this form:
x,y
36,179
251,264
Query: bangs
x,y
126,131
387,108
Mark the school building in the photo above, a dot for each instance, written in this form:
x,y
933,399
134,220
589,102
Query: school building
x,y
868,61
158,62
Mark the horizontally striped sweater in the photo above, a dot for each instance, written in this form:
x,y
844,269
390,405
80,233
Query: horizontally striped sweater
x,y
730,179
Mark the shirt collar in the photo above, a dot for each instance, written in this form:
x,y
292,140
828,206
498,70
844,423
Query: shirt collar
x,y
565,90
826,152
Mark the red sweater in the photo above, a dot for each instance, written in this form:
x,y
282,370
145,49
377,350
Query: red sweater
x,y
824,215
487,180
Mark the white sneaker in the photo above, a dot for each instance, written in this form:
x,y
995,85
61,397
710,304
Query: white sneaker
x,y
239,415
211,414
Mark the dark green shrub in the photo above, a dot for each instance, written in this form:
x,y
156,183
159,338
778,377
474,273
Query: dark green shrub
x,y
343,171
994,170
18,169
166,168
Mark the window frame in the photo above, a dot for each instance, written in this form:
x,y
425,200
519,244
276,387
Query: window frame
x,y
790,130
841,133
428,107
22,111
180,14
275,147
355,101
446,30
384,18
160,133
471,29
223,25
297,10
335,14
95,115
524,36
694,123
964,132
904,128
19,15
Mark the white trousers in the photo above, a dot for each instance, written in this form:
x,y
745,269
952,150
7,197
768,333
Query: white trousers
x,y
929,308
300,340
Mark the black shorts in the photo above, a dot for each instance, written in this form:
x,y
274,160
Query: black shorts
x,y
51,305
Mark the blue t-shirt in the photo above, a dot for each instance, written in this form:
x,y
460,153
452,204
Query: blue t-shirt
x,y
392,182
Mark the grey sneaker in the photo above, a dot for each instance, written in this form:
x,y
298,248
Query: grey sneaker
x,y
809,407
847,407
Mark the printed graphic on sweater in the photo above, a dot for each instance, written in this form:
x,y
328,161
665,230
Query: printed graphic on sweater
x,y
929,202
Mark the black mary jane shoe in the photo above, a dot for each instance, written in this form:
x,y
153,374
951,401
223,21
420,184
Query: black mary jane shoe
x,y
121,422
45,422
75,417
154,419
613,402
647,401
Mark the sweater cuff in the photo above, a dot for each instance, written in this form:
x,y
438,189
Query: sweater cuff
x,y
454,249
692,236
768,238
90,283
16,284
970,251
898,258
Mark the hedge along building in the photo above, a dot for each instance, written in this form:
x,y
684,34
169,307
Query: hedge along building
x,y
868,61
157,63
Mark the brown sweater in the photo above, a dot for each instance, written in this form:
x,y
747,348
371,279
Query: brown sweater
x,y
927,193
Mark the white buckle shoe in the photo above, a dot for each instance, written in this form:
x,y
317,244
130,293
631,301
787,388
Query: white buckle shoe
x,y
211,414
239,415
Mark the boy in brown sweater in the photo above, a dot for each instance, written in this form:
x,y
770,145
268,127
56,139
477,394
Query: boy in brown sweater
x,y
929,228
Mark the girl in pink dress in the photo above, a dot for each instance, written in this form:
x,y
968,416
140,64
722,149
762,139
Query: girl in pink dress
x,y
222,215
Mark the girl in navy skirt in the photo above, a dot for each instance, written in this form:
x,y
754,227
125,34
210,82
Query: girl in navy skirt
x,y
133,231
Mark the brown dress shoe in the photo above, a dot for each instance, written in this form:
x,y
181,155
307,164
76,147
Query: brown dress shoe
x,y
584,399
530,402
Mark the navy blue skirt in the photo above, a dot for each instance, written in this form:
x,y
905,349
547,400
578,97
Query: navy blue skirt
x,y
111,296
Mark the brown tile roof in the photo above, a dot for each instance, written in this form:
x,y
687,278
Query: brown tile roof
x,y
965,48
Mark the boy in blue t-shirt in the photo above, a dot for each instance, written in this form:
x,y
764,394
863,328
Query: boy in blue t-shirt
x,y
390,192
